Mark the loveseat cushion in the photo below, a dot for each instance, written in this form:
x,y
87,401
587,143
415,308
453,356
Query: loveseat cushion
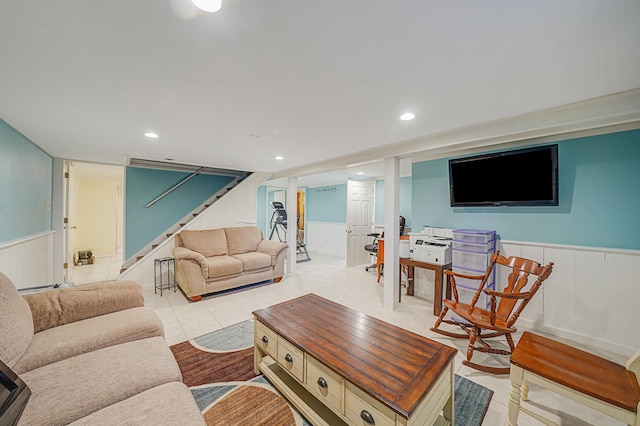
x,y
168,404
254,261
208,242
68,390
16,323
243,239
222,266
76,338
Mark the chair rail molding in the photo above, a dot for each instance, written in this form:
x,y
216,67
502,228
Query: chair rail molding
x,y
28,261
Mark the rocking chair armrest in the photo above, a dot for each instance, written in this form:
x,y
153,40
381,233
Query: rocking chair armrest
x,y
458,274
507,295
373,235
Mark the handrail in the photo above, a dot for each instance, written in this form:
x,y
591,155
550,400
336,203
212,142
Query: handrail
x,y
173,188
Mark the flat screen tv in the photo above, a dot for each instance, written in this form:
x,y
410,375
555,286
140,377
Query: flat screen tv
x,y
521,177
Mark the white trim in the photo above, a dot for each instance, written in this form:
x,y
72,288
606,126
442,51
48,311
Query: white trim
x,y
571,247
25,239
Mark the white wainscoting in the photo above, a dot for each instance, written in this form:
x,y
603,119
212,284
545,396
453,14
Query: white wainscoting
x,y
591,297
327,238
28,262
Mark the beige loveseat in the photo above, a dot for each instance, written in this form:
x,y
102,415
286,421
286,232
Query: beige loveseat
x,y
219,259
92,355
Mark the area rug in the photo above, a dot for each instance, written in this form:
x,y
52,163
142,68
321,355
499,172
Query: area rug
x,y
218,368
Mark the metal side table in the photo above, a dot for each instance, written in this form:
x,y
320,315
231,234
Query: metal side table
x,y
160,283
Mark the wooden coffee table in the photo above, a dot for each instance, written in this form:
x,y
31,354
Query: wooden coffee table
x,y
340,366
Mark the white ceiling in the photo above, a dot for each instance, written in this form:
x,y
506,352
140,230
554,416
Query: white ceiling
x,y
310,80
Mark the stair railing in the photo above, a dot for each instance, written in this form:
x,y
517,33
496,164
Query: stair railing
x,y
173,188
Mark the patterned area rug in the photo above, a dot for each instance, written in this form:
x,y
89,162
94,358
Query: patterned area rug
x,y
218,368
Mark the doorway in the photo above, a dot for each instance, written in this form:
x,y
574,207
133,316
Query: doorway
x,y
94,212
280,195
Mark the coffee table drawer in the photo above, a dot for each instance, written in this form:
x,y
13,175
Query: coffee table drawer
x,y
324,384
266,339
291,359
363,410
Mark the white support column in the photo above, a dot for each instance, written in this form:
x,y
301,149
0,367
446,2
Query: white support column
x,y
292,223
391,233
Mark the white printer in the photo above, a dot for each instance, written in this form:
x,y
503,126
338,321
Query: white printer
x,y
430,248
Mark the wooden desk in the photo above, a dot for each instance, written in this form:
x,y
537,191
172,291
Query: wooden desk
x,y
437,285
339,366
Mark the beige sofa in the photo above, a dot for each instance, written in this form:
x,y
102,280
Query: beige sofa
x,y
92,355
219,259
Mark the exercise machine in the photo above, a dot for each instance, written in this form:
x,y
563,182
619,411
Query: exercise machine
x,y
279,227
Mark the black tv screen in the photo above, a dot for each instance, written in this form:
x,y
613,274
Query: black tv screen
x,y
522,177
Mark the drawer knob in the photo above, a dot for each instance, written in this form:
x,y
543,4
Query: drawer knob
x,y
288,358
322,383
265,339
367,417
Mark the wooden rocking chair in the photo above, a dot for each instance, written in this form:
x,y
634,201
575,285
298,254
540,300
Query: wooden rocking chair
x,y
479,323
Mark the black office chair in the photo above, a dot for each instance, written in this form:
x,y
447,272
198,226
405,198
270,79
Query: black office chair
x,y
373,247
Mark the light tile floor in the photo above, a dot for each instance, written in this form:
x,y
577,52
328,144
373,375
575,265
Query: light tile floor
x,y
105,268
356,288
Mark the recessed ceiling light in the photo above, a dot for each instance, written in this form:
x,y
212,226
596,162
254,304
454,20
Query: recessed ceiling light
x,y
152,135
208,5
407,116
279,157
360,173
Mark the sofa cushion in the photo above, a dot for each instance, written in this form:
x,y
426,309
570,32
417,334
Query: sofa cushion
x,y
220,266
254,261
272,249
168,404
68,390
16,323
243,239
66,305
208,242
58,343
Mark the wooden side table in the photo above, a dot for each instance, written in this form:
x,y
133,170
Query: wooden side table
x,y
159,277
437,285
578,375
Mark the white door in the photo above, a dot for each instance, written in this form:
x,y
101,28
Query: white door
x,y
71,217
359,221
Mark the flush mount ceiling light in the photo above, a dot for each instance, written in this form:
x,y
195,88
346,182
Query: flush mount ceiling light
x,y
279,157
208,5
151,135
407,116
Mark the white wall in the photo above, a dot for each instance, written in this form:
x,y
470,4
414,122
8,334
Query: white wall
x,y
28,262
328,238
97,215
591,297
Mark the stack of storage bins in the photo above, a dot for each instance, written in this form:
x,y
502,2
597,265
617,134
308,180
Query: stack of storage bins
x,y
472,251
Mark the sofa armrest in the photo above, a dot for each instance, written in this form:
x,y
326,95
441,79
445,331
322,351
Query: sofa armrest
x,y
63,306
272,248
182,253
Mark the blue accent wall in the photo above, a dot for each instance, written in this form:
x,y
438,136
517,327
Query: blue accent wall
x,y
26,177
405,200
599,191
143,225
327,203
